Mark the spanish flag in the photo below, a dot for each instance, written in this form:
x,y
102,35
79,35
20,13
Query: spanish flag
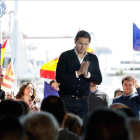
x,y
3,51
48,70
9,78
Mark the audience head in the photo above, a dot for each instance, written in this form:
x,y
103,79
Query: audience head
x,y
117,92
26,107
117,105
55,85
11,108
73,123
135,127
40,126
54,105
27,89
127,85
105,124
11,129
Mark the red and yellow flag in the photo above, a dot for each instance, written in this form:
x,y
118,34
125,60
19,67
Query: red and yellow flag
x,y
3,51
9,78
48,70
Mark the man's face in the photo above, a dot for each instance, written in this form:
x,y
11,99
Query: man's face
x,y
81,45
127,87
55,85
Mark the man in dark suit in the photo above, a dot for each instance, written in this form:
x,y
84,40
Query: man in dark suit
x,y
97,98
2,93
76,68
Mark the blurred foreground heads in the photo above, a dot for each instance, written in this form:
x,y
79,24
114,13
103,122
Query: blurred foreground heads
x,y
105,124
40,126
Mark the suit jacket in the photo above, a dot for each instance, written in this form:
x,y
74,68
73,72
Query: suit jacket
x,y
98,99
65,74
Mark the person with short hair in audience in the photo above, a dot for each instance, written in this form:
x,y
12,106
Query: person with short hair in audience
x,y
11,108
54,84
118,92
135,128
11,129
40,126
27,93
106,124
26,107
73,123
2,93
55,106
129,98
97,98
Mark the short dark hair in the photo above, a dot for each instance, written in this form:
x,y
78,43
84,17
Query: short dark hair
x,y
73,123
11,108
54,105
128,78
11,129
105,124
83,34
117,90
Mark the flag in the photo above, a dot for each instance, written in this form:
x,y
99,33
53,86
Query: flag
x,y
9,78
49,90
3,51
90,50
48,70
136,38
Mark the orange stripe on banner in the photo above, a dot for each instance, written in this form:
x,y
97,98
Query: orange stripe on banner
x,y
9,78
7,86
47,74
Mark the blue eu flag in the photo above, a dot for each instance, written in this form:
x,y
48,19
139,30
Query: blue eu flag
x,y
48,90
136,38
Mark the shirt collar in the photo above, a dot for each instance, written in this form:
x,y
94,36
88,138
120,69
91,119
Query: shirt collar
x,y
77,52
127,95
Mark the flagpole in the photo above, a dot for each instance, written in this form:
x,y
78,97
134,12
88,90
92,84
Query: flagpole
x,y
133,64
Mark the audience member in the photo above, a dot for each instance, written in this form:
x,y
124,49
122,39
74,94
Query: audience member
x,y
105,124
40,126
135,127
118,105
55,85
2,93
27,93
11,108
73,123
117,92
11,129
97,98
129,98
55,105
26,107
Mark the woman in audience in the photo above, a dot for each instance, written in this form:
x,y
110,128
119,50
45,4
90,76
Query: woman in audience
x,y
27,93
73,123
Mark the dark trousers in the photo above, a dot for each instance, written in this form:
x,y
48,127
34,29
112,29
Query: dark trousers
x,y
77,106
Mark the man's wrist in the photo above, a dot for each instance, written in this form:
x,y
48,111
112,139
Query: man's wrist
x,y
79,73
